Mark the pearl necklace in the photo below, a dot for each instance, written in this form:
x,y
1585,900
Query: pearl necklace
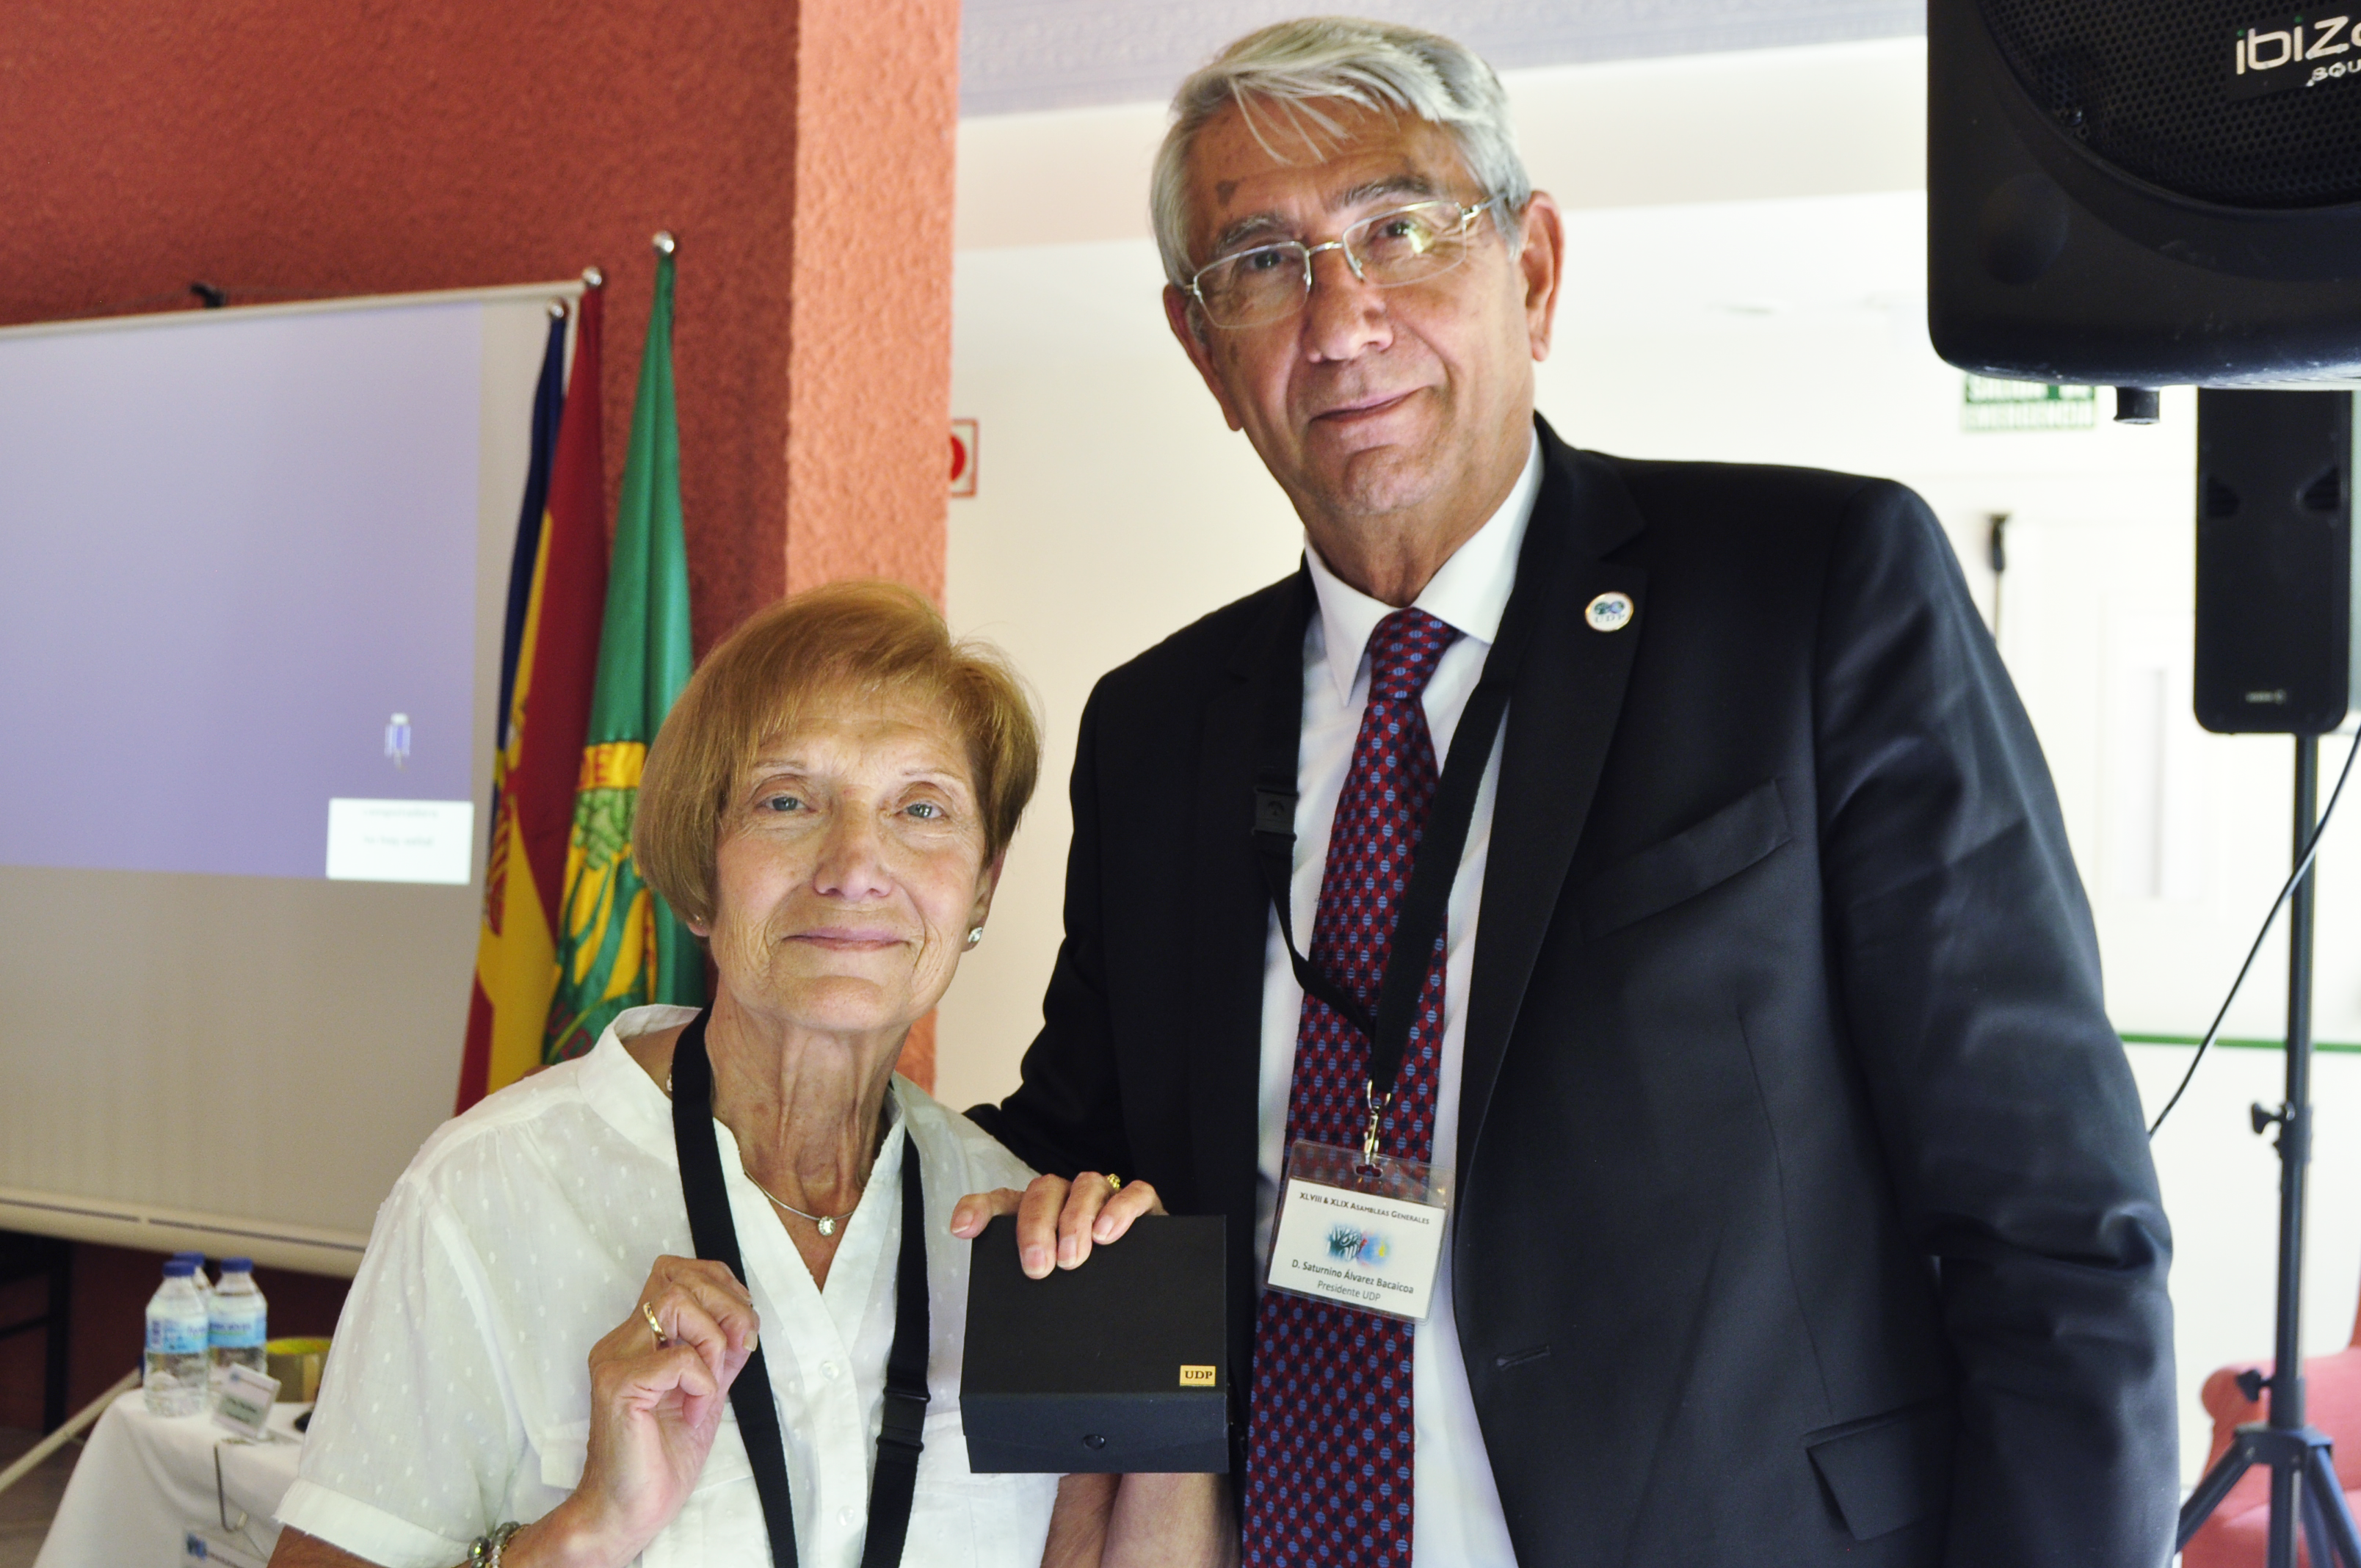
x,y
826,1223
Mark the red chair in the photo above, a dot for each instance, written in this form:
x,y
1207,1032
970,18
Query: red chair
x,y
2236,1536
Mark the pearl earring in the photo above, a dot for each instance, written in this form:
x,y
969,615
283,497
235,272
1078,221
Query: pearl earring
x,y
976,935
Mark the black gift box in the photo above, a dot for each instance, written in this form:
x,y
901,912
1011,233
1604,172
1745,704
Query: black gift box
x,y
1121,1365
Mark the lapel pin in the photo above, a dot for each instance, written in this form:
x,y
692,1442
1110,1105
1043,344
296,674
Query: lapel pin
x,y
1608,612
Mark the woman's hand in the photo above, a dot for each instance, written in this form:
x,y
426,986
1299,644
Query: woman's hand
x,y
1058,1221
655,1409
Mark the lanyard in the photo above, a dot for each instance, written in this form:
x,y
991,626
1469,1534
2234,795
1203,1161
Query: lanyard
x,y
895,1479
1419,931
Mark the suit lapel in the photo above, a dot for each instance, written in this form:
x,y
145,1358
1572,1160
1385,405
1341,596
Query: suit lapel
x,y
1229,921
1562,717
1561,720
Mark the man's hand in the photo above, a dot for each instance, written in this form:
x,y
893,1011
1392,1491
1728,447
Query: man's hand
x,y
1059,1221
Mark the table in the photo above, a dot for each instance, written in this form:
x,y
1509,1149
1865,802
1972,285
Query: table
x,y
144,1480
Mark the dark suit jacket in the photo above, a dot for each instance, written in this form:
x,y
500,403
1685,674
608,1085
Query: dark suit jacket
x,y
1805,1212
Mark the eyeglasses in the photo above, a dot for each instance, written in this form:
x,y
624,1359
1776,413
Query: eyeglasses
x,y
1408,244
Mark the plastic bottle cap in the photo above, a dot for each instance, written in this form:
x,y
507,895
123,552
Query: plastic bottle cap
x,y
238,1265
180,1268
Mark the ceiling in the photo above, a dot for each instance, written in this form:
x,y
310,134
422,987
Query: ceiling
x,y
1020,55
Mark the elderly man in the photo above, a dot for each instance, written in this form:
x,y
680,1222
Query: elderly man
x,y
1647,868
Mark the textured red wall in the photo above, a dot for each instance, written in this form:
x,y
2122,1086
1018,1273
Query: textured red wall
x,y
282,148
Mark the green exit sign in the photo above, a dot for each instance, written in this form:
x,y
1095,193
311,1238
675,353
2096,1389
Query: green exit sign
x,y
1991,403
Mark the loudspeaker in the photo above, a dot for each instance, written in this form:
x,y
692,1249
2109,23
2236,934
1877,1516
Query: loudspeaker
x,y
2143,195
2277,583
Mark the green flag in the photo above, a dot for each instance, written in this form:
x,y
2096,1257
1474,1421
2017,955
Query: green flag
x,y
620,945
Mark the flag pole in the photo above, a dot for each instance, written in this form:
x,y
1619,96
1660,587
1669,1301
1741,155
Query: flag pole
x,y
619,944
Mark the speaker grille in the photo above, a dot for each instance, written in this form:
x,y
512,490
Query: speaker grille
x,y
2147,87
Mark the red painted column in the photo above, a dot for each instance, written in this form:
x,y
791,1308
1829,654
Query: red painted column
x,y
868,385
868,398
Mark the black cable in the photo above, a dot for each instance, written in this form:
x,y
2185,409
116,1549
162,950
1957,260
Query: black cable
x,y
2287,891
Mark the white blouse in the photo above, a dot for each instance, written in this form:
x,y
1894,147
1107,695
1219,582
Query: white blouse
x,y
458,1392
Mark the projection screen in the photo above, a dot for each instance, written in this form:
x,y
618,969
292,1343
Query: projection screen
x,y
255,562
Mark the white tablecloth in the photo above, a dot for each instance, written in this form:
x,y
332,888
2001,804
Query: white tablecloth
x,y
143,1480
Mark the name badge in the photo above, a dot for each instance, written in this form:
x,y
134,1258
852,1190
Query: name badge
x,y
1358,1231
242,1402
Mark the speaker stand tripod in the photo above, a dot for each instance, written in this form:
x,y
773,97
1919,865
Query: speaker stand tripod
x,y
2303,1480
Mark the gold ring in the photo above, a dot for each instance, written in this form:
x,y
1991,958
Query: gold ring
x,y
650,1314
1114,1182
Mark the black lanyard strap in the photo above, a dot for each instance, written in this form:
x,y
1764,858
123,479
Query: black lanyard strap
x,y
1418,930
894,1481
900,1437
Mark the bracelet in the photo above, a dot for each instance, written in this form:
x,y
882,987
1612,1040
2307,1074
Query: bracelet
x,y
485,1552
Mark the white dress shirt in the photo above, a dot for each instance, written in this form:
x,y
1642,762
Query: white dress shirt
x,y
1456,1509
458,1393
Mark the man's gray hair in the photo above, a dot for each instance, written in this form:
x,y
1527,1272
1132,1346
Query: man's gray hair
x,y
1291,67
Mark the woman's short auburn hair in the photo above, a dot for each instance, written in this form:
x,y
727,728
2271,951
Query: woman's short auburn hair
x,y
843,639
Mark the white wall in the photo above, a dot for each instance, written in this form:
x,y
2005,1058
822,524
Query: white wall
x,y
1746,283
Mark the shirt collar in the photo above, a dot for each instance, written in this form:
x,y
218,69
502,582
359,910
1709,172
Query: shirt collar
x,y
1469,594
619,1089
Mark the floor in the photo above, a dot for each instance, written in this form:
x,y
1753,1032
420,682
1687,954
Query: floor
x,y
27,1507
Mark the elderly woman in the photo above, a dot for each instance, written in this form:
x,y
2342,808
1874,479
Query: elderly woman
x,y
828,807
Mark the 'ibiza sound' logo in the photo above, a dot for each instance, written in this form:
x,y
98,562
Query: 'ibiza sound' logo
x,y
2301,52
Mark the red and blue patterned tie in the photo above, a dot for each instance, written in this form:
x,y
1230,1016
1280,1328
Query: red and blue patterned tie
x,y
1330,1442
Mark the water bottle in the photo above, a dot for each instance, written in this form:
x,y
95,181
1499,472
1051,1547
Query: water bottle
x,y
176,1377
205,1286
236,1319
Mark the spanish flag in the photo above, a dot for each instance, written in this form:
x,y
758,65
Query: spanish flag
x,y
549,651
620,945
